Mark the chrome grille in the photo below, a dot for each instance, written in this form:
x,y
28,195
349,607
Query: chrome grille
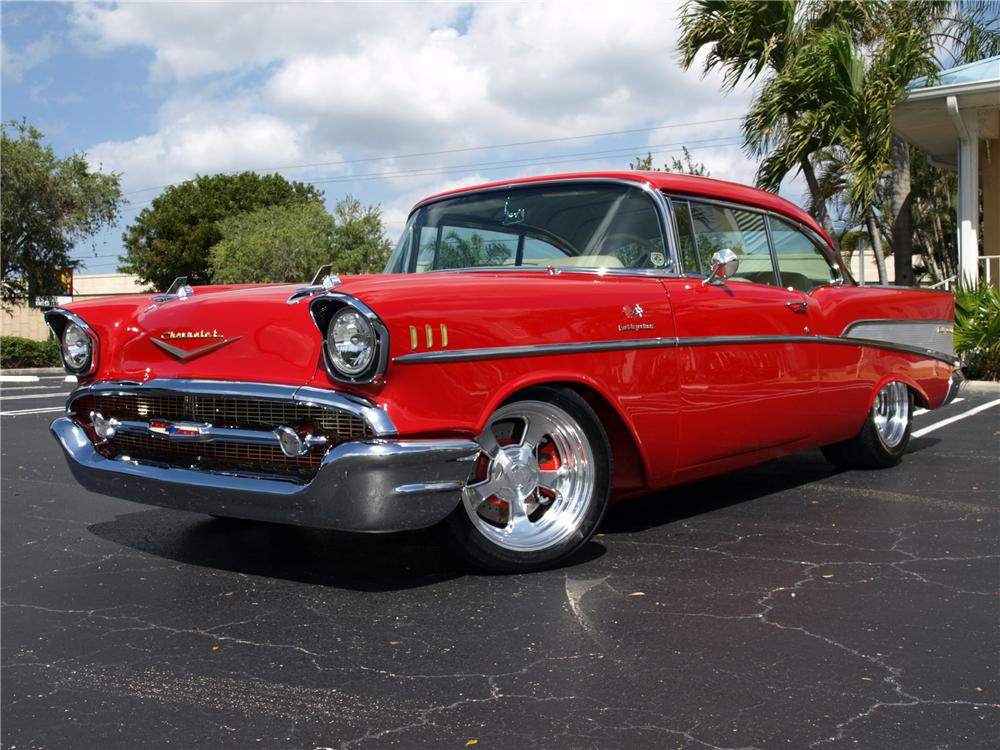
x,y
258,459
225,412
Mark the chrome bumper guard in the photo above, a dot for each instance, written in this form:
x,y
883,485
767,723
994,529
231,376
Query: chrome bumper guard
x,y
955,383
379,484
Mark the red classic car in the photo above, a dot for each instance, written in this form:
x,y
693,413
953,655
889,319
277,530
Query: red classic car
x,y
535,349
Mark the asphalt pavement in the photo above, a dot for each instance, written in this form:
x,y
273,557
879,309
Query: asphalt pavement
x,y
788,606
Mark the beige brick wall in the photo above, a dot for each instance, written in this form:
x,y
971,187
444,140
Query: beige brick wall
x,y
24,321
28,321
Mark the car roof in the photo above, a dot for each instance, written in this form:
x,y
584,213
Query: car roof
x,y
675,184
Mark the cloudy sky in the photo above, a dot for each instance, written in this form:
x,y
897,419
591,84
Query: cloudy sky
x,y
390,102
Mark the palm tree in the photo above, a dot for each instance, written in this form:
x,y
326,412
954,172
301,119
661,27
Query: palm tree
x,y
840,96
794,115
746,39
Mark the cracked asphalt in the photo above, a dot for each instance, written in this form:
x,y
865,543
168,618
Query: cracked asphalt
x,y
789,606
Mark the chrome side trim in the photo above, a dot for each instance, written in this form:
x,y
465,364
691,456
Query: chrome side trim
x,y
927,335
888,346
52,320
536,350
375,417
545,350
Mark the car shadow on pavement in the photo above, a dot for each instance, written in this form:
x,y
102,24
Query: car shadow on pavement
x,y
679,503
354,561
406,560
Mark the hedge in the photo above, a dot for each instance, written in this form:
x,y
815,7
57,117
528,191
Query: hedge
x,y
17,352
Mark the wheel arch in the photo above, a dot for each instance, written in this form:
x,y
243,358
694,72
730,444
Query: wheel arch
x,y
920,398
629,467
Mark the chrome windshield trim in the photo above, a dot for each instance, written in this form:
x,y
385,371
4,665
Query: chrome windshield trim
x,y
68,315
659,201
375,417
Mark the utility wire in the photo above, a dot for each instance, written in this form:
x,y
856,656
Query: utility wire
x,y
721,141
664,148
465,150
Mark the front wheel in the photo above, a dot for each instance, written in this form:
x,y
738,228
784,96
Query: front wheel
x,y
540,486
885,435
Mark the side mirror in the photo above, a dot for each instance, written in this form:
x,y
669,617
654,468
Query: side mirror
x,y
725,263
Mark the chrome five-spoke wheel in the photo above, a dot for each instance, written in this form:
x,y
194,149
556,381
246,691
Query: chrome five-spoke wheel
x,y
540,485
891,414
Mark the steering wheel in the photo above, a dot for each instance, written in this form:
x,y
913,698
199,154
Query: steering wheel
x,y
620,240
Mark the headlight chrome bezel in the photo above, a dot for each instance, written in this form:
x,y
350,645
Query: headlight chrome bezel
x,y
325,310
59,321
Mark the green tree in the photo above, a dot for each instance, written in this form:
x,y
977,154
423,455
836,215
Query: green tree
x,y
276,243
681,166
173,236
744,40
359,241
289,242
47,204
841,96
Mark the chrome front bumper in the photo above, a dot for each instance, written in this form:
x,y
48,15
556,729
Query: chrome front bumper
x,y
373,485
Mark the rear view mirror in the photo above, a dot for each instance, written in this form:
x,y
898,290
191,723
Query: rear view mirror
x,y
725,263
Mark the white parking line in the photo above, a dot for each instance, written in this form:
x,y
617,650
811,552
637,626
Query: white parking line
x,y
918,412
18,378
33,395
44,410
23,388
957,417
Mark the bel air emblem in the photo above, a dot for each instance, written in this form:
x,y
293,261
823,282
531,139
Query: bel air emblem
x,y
634,313
217,341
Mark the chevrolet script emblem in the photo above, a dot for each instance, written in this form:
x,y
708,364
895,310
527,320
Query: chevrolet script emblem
x,y
217,341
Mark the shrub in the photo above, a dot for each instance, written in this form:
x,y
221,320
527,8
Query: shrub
x,y
977,331
17,352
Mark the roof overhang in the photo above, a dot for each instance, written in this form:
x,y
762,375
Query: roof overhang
x,y
922,116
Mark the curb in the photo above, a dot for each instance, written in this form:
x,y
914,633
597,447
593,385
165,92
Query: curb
x,y
981,386
35,371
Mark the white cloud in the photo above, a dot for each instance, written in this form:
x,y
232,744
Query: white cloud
x,y
255,85
16,63
206,142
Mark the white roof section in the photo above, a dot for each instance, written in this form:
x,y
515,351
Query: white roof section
x,y
922,116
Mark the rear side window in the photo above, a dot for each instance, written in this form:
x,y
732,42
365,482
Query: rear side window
x,y
801,263
743,232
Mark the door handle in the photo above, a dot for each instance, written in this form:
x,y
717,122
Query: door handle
x,y
800,306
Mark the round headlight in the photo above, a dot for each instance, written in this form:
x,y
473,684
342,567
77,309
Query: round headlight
x,y
77,348
351,342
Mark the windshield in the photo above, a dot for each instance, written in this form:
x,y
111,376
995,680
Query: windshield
x,y
580,226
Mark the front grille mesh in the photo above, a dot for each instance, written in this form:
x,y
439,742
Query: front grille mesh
x,y
221,411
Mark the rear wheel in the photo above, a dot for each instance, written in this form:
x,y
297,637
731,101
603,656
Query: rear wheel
x,y
885,435
540,486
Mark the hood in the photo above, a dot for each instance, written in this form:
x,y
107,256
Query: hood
x,y
218,333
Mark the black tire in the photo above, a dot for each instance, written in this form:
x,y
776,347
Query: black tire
x,y
868,450
470,538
